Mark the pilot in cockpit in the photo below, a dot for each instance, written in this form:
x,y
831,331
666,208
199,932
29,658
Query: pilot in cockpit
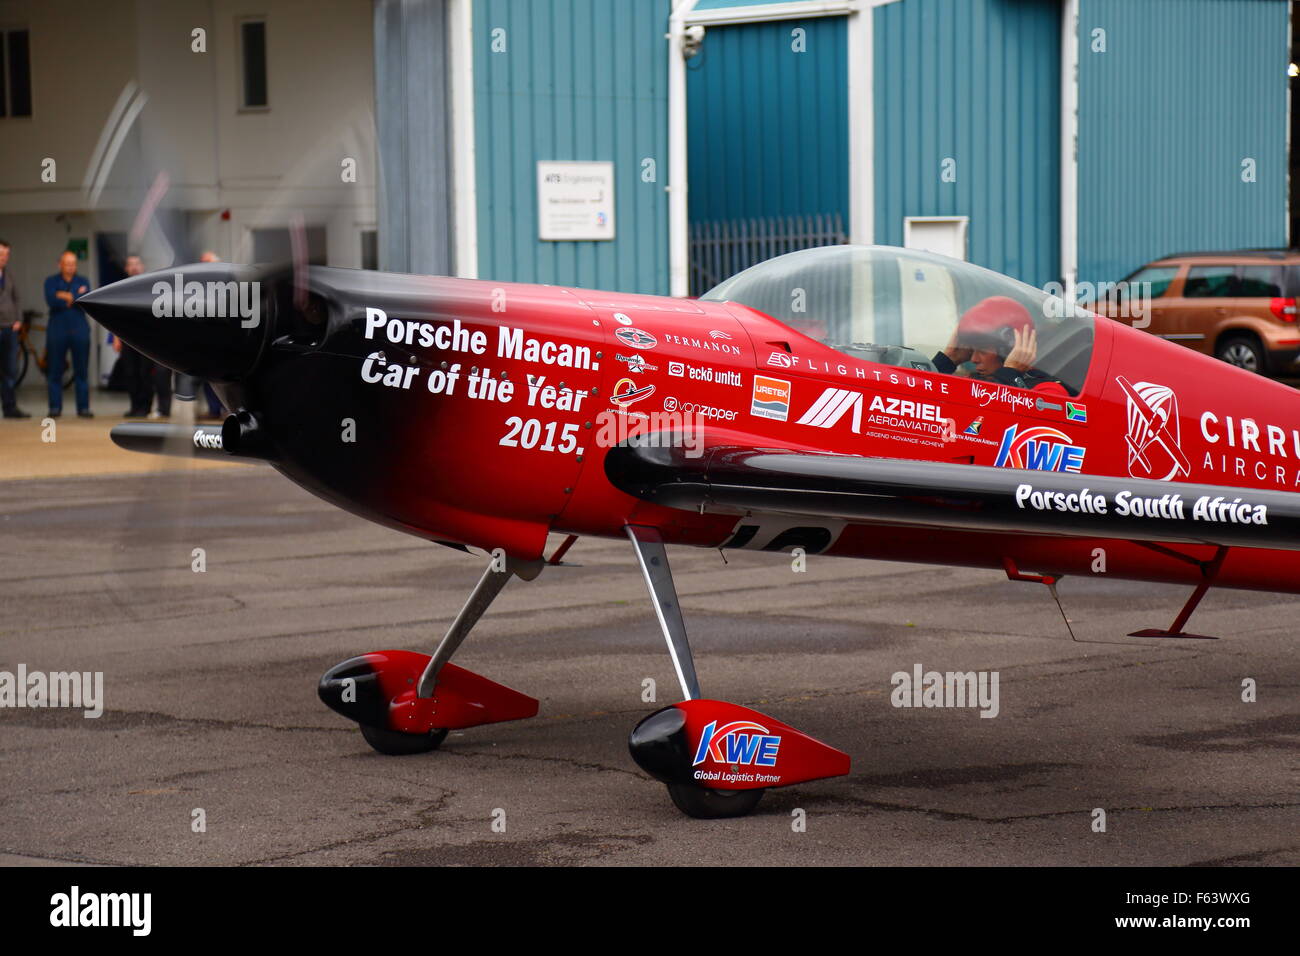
x,y
995,341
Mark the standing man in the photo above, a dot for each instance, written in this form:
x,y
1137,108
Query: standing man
x,y
139,372
11,323
214,404
67,330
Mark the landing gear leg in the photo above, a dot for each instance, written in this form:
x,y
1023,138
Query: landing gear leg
x,y
690,798
480,599
405,703
653,557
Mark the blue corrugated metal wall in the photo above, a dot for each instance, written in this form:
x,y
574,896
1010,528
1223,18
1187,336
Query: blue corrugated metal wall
x,y
1185,90
767,127
579,80
977,82
722,4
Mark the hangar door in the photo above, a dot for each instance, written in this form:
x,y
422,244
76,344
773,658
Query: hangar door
x,y
768,143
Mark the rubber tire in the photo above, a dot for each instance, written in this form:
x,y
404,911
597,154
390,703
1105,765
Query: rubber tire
x,y
1251,343
395,743
705,804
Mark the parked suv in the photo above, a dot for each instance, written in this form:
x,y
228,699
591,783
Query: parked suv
x,y
1237,306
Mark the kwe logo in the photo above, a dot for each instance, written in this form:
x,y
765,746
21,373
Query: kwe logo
x,y
739,742
1039,449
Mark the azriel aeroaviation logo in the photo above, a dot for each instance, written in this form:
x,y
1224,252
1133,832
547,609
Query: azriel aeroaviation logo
x,y
1153,432
1039,449
739,742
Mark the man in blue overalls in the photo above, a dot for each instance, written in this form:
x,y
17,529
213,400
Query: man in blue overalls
x,y
67,330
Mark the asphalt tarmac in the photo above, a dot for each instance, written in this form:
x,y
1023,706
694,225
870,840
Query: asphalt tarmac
x,y
210,700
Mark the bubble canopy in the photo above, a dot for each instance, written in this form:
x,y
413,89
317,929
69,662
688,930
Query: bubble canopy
x,y
922,311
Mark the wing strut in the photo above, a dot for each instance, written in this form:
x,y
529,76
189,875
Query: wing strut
x,y
1209,571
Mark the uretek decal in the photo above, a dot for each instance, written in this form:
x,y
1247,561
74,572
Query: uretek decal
x,y
771,398
1153,432
1039,448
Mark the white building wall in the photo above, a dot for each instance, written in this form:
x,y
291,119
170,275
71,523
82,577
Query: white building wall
x,y
230,170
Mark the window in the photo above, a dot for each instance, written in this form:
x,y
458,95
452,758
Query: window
x,y
1207,282
1261,282
1158,276
15,74
252,47
369,249
1292,282
276,245
918,311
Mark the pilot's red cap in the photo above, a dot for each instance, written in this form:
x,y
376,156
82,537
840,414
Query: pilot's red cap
x,y
991,324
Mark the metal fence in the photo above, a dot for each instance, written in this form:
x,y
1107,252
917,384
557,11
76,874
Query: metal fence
x,y
721,249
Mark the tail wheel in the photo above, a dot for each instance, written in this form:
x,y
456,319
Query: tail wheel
x,y
394,743
1243,351
705,804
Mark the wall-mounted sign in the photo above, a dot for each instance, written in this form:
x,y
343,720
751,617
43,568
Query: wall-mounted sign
x,y
575,201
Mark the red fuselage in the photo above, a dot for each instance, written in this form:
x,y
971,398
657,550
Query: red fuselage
x,y
483,413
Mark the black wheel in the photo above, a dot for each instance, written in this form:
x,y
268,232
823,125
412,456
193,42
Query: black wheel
x,y
394,743
705,804
24,359
1243,351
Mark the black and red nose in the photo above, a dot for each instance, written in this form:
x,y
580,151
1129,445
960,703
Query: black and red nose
x,y
211,321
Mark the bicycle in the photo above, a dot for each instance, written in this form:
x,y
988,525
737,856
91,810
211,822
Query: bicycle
x,y
27,353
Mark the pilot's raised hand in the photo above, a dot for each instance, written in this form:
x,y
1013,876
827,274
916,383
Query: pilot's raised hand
x,y
1025,351
955,351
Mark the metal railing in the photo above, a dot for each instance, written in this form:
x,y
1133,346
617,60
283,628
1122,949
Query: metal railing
x,y
720,249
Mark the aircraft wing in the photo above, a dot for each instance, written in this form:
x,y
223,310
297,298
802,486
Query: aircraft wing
x,y
955,496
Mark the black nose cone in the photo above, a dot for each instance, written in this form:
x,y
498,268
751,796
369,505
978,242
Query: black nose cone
x,y
208,320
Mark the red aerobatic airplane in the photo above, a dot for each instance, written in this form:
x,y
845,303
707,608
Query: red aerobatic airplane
x,y
850,401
